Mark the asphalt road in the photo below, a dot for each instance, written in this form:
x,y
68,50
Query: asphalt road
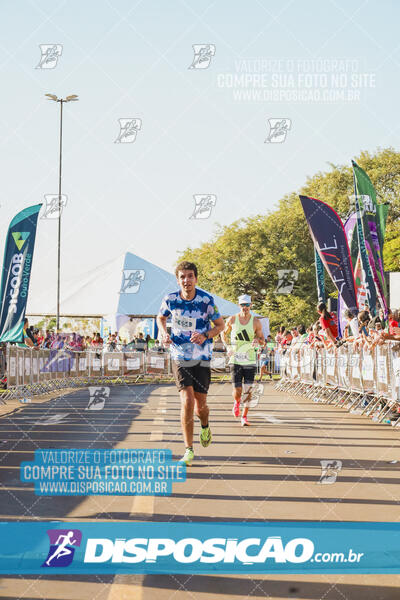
x,y
269,471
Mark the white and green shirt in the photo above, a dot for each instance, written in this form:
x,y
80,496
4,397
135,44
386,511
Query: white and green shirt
x,y
242,337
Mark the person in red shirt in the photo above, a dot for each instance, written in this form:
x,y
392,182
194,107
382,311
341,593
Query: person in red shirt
x,y
393,323
327,323
97,340
40,339
287,339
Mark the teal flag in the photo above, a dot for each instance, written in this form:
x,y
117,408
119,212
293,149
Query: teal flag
x,y
382,213
366,268
320,277
17,266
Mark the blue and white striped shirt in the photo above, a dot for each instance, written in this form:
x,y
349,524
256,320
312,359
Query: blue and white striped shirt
x,y
188,316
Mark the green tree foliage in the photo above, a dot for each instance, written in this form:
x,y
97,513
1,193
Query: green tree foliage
x,y
244,256
46,323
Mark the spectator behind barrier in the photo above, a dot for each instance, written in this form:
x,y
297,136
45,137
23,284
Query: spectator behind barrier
x,y
328,325
112,343
393,322
140,343
352,329
27,338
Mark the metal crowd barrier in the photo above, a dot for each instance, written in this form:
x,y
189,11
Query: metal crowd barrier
x,y
363,382
32,371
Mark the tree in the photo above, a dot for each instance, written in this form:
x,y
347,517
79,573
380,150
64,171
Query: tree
x,y
244,257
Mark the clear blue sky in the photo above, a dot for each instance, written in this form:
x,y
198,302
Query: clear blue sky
x,y
131,59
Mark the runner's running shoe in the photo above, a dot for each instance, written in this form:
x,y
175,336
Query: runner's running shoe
x,y
205,436
236,409
244,422
188,457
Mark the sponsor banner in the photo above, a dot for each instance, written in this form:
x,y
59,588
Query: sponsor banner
x,y
89,472
327,232
199,548
341,319
376,220
366,278
320,277
17,265
373,235
350,228
381,214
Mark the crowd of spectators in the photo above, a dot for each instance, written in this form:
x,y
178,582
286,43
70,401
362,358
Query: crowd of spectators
x,y
361,330
48,339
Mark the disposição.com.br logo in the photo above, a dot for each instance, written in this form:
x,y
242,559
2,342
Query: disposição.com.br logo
x,y
62,547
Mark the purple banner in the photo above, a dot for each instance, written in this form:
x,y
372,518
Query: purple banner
x,y
366,197
59,361
327,231
351,235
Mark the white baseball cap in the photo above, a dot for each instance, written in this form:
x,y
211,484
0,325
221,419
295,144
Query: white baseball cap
x,y
244,299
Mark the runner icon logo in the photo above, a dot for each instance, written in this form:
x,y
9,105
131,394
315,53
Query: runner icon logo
x,y
278,129
203,54
203,205
330,470
61,551
252,394
287,279
54,206
98,397
131,280
50,54
128,129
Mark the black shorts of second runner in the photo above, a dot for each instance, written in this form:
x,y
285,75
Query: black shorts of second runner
x,y
196,376
242,374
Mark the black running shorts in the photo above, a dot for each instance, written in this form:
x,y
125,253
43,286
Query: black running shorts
x,y
242,374
196,376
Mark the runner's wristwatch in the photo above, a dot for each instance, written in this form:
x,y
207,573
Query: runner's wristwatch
x,y
206,335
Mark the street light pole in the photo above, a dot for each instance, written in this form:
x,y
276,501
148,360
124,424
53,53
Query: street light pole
x,y
70,98
59,222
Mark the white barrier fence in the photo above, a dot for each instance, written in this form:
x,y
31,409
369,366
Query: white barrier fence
x,y
364,381
35,370
31,370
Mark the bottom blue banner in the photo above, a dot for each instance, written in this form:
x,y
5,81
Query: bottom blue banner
x,y
202,547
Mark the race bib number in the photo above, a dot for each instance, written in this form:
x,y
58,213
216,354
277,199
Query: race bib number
x,y
182,323
241,356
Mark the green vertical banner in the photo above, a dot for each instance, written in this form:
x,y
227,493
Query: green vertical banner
x,y
368,280
366,196
382,213
320,277
17,265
